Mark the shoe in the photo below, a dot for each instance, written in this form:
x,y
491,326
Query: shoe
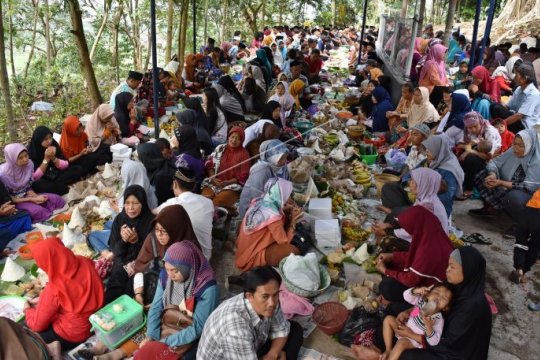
x,y
534,307
483,212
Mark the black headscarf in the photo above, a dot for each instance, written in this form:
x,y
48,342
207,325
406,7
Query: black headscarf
x,y
190,117
228,84
269,55
36,151
125,252
467,328
195,104
121,112
151,158
268,110
187,140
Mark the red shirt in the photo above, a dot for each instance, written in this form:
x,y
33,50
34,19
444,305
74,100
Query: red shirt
x,y
507,138
69,326
314,65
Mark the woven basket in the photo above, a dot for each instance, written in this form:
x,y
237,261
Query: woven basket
x,y
382,179
325,282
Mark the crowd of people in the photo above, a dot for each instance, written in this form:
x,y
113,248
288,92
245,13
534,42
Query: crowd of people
x,y
460,137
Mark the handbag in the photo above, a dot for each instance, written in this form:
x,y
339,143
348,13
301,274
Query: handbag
x,y
174,320
302,239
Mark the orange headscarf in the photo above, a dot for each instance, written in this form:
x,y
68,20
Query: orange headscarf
x,y
296,88
70,143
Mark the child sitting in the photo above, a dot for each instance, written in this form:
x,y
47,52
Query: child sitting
x,y
462,80
173,93
507,137
425,321
201,76
484,146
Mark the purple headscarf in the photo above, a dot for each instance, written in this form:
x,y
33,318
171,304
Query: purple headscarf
x,y
13,176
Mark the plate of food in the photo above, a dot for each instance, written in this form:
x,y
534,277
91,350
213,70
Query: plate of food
x,y
11,307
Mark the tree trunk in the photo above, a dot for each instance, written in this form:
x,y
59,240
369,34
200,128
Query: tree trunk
x,y
10,25
80,40
421,17
100,32
148,51
450,20
4,82
263,14
205,22
281,12
48,34
182,34
115,30
34,31
333,13
170,18
224,21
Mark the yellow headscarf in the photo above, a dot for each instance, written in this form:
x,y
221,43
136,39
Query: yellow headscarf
x,y
296,88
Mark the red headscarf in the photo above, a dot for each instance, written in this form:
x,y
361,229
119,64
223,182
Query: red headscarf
x,y
235,161
73,278
70,143
488,85
430,246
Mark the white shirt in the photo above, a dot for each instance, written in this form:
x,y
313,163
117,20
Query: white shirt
x,y
201,214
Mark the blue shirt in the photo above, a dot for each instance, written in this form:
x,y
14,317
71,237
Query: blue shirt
x,y
527,103
447,198
205,304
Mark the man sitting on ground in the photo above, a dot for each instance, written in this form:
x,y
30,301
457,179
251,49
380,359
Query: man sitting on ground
x,y
129,85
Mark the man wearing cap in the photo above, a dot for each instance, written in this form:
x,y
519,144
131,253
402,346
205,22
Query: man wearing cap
x,y
199,208
130,85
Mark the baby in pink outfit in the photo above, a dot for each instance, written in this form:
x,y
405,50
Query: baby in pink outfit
x,y
424,325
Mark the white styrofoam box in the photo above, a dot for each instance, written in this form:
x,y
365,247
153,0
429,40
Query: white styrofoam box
x,y
327,233
321,208
119,148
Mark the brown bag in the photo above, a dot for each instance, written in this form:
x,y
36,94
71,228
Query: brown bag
x,y
174,320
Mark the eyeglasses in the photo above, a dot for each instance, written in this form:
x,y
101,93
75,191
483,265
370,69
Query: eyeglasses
x,y
160,231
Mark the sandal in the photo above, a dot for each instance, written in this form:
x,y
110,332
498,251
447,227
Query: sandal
x,y
516,276
476,238
534,307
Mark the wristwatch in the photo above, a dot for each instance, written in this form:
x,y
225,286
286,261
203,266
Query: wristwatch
x,y
44,162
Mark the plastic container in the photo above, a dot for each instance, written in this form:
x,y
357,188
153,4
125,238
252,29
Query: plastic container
x,y
321,208
330,317
369,159
355,132
127,322
303,127
327,233
380,141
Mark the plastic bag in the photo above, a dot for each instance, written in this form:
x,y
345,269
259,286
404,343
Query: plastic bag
x,y
359,321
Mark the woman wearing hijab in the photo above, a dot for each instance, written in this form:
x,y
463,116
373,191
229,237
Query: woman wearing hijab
x,y
366,99
102,128
397,120
453,50
467,327
262,56
512,176
192,119
75,147
132,173
383,104
486,86
254,96
228,85
172,225
186,281
256,134
511,66
285,100
421,110
272,111
17,176
277,55
122,113
228,170
433,72
442,159
272,163
201,120
52,173
189,151
216,118
453,126
12,221
232,106
73,293
295,89
424,184
422,265
479,135
159,170
268,228
129,230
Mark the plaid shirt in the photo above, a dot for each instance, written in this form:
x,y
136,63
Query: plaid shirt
x,y
235,331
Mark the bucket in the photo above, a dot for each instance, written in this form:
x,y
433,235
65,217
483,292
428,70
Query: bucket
x,y
382,179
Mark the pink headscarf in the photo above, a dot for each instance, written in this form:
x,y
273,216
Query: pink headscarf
x,y
13,176
436,55
474,118
428,182
286,101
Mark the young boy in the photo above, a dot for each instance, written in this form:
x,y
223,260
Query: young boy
x,y
507,137
165,148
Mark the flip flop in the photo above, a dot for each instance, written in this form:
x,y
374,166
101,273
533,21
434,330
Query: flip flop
x,y
476,238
